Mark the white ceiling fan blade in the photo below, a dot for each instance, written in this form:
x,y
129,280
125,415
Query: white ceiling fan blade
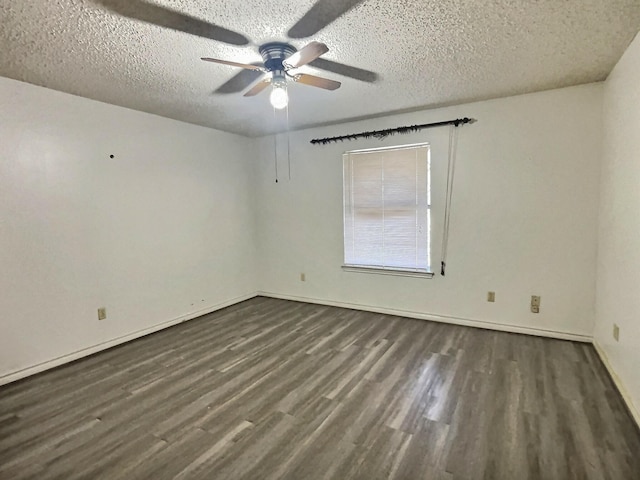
x,y
317,81
258,87
305,55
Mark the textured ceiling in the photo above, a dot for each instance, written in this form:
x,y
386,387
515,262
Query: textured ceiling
x,y
426,53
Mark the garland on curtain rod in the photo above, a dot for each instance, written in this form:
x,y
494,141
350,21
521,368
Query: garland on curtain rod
x,y
380,134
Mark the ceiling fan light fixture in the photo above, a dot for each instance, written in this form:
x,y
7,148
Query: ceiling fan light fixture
x,y
278,59
279,98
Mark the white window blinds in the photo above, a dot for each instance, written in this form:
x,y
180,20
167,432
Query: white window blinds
x,y
387,208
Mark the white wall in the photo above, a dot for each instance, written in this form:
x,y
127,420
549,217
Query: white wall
x,y
170,227
155,234
524,218
618,298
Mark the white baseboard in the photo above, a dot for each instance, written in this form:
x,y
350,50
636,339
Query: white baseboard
x,y
41,367
468,322
32,370
621,388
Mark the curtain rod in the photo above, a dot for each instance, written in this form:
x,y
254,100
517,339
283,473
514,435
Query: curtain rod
x,y
392,131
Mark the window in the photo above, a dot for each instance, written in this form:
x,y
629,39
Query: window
x,y
387,216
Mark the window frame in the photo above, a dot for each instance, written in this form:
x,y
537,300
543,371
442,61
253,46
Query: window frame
x,y
388,270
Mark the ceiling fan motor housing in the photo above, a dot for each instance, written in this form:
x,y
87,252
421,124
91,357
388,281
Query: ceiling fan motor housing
x,y
273,55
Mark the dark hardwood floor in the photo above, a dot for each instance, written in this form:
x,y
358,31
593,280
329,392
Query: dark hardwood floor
x,y
271,389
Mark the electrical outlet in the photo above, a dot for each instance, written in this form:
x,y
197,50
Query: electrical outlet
x,y
491,296
303,277
102,313
535,304
616,332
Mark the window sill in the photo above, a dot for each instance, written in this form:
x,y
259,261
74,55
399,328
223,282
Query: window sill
x,y
387,271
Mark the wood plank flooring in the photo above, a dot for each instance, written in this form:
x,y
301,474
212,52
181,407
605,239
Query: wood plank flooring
x,y
272,389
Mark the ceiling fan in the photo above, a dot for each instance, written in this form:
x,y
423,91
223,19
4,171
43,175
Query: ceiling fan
x,y
279,59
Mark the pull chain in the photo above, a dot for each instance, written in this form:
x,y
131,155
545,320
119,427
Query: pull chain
x,y
275,144
288,145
